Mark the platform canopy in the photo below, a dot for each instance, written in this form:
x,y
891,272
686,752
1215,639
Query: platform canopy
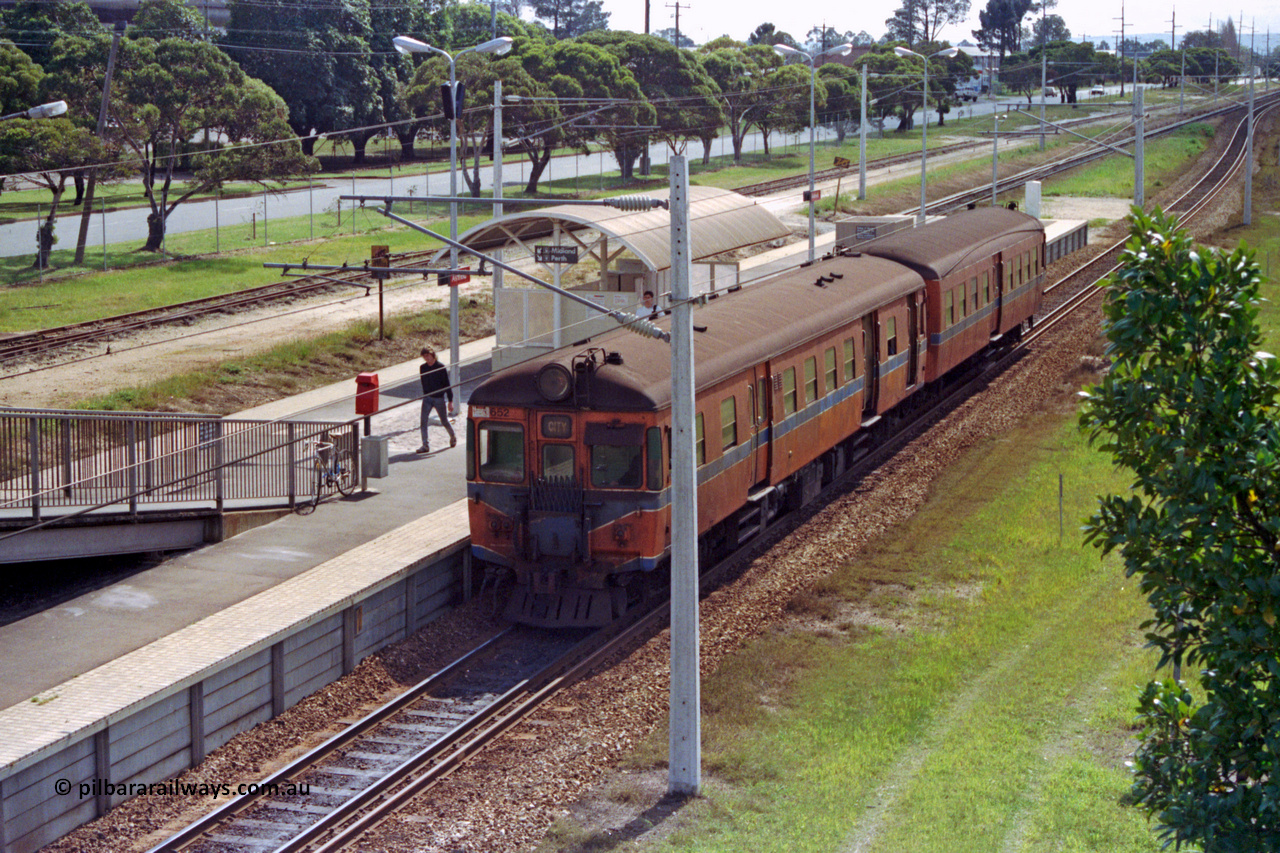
x,y
720,221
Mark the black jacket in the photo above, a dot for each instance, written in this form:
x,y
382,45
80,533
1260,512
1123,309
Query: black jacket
x,y
435,380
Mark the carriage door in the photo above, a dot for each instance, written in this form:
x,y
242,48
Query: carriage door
x,y
913,333
758,398
871,363
998,272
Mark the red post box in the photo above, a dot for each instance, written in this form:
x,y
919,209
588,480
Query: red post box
x,y
367,394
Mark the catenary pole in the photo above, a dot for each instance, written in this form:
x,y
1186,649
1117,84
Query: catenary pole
x,y
862,141
685,740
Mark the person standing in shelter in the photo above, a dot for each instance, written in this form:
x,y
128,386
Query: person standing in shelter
x,y
435,390
647,307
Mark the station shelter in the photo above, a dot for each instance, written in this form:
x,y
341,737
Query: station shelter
x,y
609,256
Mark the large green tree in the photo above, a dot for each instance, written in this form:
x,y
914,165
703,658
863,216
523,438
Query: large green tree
x,y
741,72
317,55
918,21
572,18
1189,407
47,152
1001,28
162,19
685,98
36,25
166,94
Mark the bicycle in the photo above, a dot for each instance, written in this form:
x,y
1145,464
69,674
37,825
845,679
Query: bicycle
x,y
332,468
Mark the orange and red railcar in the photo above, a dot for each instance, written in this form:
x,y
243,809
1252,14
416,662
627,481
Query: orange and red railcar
x,y
568,454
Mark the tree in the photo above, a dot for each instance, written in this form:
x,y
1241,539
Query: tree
x,y
1201,38
170,92
47,151
19,79
1188,407
1001,29
768,34
669,34
576,70
37,25
918,21
686,99
317,56
1049,28
844,98
740,72
572,18
162,19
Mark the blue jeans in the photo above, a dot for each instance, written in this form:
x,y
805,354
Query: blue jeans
x,y
436,404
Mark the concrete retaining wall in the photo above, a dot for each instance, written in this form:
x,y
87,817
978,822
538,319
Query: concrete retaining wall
x,y
175,730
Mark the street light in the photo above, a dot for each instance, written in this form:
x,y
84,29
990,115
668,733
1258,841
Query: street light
x,y
838,50
924,136
405,44
56,108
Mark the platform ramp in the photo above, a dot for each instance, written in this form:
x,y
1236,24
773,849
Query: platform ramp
x,y
78,483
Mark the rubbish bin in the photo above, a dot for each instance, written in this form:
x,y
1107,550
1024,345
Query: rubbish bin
x,y
374,456
367,394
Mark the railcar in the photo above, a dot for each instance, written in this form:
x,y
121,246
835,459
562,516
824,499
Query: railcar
x,y
568,454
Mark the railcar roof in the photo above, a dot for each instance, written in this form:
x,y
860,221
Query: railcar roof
x,y
742,328
940,248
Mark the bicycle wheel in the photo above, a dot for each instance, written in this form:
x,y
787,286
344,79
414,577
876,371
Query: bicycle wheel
x,y
307,503
344,475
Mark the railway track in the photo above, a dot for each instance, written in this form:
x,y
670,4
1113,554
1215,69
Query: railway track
x,y
26,344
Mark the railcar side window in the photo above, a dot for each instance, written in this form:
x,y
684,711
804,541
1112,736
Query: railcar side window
x,y
948,310
964,301
891,336
701,442
728,423
762,401
986,287
973,285
810,379
789,391
557,460
653,440
850,363
501,452
829,366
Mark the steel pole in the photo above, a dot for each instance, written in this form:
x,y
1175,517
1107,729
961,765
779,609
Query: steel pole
x,y
454,354
995,154
924,142
685,739
1248,159
862,141
813,120
1139,167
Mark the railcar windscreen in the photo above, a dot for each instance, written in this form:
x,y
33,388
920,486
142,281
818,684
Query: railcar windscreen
x,y
501,452
616,467
557,460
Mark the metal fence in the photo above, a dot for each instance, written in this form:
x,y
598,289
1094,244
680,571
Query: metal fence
x,y
63,462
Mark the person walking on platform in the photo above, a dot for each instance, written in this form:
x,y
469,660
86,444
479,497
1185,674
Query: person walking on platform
x,y
435,390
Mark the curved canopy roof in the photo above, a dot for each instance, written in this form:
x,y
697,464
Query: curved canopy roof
x,y
719,221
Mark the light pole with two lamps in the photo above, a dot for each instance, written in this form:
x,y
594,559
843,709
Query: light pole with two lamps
x,y
499,46
924,134
785,51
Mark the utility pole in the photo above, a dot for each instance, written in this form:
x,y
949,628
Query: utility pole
x,y
1139,130
87,201
677,6
1248,159
684,745
862,141
1044,68
1121,49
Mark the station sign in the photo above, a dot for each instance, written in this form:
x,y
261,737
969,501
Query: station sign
x,y
448,280
812,196
842,163
555,254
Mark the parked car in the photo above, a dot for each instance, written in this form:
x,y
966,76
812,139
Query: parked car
x,y
1097,90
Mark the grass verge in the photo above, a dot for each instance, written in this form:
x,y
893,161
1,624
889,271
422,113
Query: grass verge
x,y
966,686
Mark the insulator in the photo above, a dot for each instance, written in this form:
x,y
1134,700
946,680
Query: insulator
x,y
640,326
634,203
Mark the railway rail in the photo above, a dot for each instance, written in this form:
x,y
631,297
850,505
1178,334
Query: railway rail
x,y
381,763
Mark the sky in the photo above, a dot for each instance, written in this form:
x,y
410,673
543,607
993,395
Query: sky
x,y
703,20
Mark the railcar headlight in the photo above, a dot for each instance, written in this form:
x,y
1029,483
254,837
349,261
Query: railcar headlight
x,y
554,382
